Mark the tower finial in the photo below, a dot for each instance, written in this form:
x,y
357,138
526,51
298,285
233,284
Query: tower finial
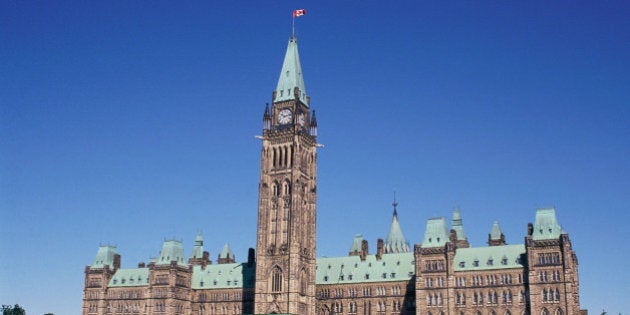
x,y
395,204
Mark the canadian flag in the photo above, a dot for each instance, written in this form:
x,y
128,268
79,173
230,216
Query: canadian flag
x,y
299,12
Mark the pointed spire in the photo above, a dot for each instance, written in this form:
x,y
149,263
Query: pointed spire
x,y
496,237
266,118
313,125
395,242
226,256
457,225
291,76
355,249
197,251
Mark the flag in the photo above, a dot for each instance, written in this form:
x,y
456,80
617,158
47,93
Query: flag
x,y
299,12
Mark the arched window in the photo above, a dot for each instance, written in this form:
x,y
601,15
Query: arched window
x,y
303,280
558,311
275,157
544,311
557,295
276,280
286,188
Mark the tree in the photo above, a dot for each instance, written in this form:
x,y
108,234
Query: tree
x,y
12,310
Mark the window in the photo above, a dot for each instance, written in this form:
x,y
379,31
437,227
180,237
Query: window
x,y
462,264
276,285
476,263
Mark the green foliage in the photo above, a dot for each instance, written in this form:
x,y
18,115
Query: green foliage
x,y
13,310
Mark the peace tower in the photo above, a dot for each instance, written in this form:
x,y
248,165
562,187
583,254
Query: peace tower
x,y
285,256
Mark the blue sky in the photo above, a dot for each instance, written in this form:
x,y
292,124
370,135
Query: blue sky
x,y
130,123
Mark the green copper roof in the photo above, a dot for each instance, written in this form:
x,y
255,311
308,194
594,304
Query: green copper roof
x,y
350,269
130,278
197,251
396,242
488,258
104,256
291,75
171,250
436,233
221,276
495,233
546,225
226,252
458,225
356,243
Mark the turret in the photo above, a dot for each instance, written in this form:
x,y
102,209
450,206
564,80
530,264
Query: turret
x,y
395,242
496,237
355,249
457,225
226,256
266,118
198,255
313,126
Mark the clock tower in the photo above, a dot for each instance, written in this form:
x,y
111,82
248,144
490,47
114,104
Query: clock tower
x,y
287,195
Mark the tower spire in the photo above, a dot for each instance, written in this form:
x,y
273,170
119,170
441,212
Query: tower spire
x,y
396,242
291,77
395,204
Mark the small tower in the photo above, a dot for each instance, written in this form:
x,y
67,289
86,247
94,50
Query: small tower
x,y
198,255
496,237
355,249
226,256
461,241
396,242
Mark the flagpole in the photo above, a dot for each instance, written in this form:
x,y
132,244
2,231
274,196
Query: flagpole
x,y
293,26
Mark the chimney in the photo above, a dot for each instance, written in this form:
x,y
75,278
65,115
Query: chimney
x,y
141,265
116,261
530,229
251,257
364,250
379,249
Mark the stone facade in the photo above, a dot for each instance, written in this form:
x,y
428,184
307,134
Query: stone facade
x,y
438,276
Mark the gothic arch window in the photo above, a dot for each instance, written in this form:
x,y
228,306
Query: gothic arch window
x,y
285,153
275,157
276,279
557,297
558,311
286,188
303,280
544,311
275,189
291,155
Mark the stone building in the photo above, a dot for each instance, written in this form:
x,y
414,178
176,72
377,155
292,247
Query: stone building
x,y
441,275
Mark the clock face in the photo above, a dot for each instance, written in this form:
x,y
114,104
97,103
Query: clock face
x,y
284,117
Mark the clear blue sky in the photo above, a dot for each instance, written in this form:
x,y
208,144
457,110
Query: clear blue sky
x,y
129,122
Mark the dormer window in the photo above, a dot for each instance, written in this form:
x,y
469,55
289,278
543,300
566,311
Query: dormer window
x,y
462,264
490,262
476,263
